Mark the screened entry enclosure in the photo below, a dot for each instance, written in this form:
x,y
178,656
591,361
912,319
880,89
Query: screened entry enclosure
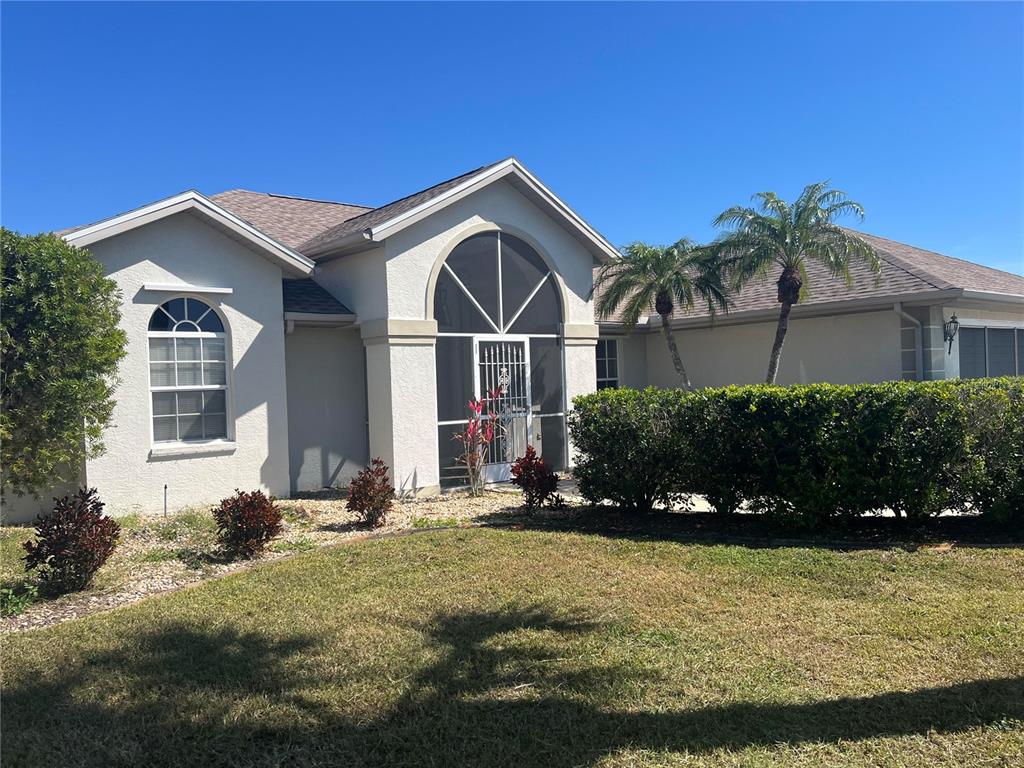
x,y
499,315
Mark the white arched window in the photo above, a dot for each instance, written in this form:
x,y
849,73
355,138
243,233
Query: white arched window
x,y
188,379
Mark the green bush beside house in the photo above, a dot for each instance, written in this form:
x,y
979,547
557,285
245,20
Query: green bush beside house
x,y
809,455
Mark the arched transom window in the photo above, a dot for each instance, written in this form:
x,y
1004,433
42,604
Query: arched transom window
x,y
188,372
499,313
496,283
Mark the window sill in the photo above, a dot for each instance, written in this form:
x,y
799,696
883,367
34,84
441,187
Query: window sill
x,y
181,450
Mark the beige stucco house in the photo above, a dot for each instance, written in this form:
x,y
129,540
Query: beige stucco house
x,y
280,342
876,329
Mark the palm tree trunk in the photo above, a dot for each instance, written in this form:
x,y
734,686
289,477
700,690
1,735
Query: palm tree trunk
x,y
673,350
780,337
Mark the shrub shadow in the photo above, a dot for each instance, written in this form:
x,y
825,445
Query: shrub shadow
x,y
755,531
496,693
349,527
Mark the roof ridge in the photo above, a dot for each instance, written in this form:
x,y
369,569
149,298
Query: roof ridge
x,y
295,197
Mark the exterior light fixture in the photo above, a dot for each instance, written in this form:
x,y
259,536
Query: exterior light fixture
x,y
949,329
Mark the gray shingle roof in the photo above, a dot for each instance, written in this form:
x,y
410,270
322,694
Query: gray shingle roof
x,y
308,296
385,212
947,271
289,220
905,270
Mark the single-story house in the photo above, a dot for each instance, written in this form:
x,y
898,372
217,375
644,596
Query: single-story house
x,y
280,342
876,329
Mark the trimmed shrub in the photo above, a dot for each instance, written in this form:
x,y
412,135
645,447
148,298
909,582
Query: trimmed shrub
x,y
532,474
628,450
246,522
996,483
370,493
809,455
72,542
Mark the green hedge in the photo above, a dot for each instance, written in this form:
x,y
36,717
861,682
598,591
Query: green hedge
x,y
811,454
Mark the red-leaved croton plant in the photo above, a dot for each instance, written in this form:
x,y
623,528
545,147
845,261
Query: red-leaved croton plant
x,y
482,426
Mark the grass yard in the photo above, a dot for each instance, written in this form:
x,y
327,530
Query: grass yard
x,y
480,647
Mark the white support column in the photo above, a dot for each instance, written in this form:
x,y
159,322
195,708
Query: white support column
x,y
580,367
402,401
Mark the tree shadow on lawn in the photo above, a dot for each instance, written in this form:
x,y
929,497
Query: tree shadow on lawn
x,y
757,532
499,694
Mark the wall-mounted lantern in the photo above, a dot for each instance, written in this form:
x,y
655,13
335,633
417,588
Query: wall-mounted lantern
x,y
949,329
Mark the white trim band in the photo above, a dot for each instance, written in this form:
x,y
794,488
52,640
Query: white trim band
x,y
183,288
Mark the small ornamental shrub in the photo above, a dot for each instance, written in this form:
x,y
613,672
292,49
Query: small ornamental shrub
x,y
531,473
246,522
482,427
72,542
14,600
370,493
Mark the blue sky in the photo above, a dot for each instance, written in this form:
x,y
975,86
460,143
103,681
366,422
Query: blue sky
x,y
647,119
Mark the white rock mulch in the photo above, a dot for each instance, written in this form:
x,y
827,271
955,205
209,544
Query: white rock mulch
x,y
312,523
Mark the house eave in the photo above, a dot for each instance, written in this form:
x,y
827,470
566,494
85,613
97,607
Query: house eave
x,y
293,320
192,201
520,178
1003,298
840,307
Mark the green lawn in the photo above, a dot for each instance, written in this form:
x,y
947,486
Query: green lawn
x,y
498,647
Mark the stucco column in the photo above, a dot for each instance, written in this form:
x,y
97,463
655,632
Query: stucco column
x,y
580,367
938,363
402,401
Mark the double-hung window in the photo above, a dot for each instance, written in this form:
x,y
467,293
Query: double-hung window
x,y
607,364
188,379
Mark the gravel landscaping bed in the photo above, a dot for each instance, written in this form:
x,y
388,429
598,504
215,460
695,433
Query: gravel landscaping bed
x,y
159,554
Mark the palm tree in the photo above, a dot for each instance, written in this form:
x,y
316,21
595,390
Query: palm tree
x,y
787,236
663,277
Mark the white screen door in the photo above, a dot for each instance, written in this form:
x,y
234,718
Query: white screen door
x,y
505,363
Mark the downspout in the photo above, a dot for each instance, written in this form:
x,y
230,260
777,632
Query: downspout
x,y
918,340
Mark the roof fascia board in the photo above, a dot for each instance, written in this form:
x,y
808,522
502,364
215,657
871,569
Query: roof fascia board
x,y
841,307
1006,298
320,318
600,247
126,221
456,193
592,234
191,200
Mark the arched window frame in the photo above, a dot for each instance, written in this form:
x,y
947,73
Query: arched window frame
x,y
215,376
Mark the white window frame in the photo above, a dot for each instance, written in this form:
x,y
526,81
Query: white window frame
x,y
610,382
227,387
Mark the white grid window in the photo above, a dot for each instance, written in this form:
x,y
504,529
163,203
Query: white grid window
x,y
607,364
188,372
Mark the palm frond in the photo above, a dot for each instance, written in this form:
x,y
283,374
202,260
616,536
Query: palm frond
x,y
736,216
685,270
843,208
787,235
